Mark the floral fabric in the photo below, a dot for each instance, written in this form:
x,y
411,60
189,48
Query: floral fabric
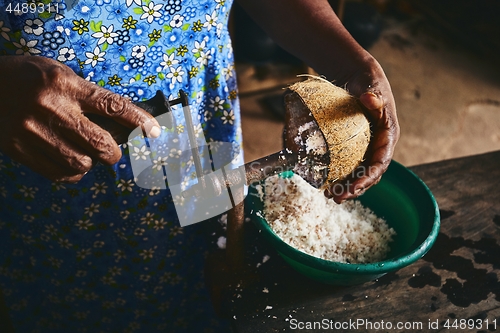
x,y
106,255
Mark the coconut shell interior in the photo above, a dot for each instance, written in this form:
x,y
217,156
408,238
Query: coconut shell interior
x,y
299,125
341,121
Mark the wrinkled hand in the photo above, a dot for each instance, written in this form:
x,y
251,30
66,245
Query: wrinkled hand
x,y
43,124
372,88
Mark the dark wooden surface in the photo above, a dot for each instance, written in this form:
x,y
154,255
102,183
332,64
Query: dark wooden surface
x,y
457,279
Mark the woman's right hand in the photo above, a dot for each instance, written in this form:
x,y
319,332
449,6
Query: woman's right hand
x,y
42,118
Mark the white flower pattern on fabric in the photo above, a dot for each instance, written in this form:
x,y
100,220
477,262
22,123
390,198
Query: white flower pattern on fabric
x,y
141,153
228,71
176,74
159,163
93,208
137,2
66,54
94,57
151,12
99,188
4,31
217,103
126,185
84,224
177,21
228,117
220,3
34,27
106,35
147,254
159,224
204,57
199,47
210,20
148,218
26,48
169,61
138,51
28,192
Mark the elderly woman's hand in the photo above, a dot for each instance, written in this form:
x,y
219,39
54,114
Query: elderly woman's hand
x,y
42,118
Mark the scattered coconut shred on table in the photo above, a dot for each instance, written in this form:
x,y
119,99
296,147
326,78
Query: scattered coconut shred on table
x,y
305,219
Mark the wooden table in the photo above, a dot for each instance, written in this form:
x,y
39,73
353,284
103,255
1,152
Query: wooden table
x,y
454,285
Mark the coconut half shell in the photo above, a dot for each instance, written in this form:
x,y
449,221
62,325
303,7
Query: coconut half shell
x,y
318,104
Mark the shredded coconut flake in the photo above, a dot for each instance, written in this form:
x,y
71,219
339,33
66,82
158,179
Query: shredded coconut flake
x,y
304,218
314,142
221,242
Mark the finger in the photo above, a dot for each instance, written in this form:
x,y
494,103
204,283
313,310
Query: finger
x,y
38,160
86,136
385,134
371,101
378,158
379,153
95,99
353,188
58,148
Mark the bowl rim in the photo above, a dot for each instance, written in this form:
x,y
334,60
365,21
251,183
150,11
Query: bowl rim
x,y
378,267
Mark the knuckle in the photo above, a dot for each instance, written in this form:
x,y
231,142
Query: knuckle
x,y
111,103
99,141
57,77
56,73
80,164
105,147
50,83
27,124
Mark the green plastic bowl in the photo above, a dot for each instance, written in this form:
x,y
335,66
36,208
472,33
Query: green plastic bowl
x,y
401,198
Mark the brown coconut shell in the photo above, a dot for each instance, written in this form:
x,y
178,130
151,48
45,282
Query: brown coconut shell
x,y
340,118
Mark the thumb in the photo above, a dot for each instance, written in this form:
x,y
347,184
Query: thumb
x,y
371,101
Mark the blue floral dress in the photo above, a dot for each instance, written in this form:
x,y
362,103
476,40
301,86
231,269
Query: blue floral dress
x,y
106,255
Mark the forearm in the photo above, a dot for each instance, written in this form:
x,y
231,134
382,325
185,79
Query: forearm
x,y
312,31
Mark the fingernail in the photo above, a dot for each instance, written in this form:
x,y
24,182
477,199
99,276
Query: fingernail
x,y
371,100
154,132
151,129
359,191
